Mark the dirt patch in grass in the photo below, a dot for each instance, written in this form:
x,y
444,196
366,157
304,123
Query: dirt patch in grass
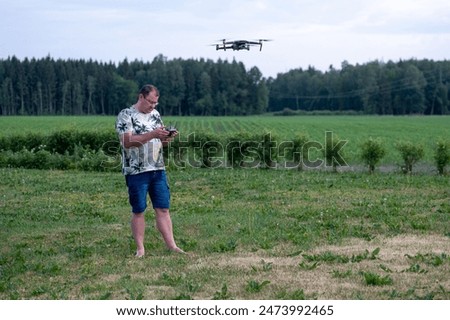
x,y
417,266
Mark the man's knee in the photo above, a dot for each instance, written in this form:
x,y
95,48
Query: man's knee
x,y
161,211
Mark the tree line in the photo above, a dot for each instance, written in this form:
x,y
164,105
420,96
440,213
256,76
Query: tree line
x,y
406,87
205,87
79,87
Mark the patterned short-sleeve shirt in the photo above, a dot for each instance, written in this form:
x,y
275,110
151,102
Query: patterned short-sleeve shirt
x,y
147,157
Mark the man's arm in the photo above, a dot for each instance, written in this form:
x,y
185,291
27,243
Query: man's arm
x,y
129,140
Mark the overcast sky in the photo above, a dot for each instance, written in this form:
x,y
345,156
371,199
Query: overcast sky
x,y
316,33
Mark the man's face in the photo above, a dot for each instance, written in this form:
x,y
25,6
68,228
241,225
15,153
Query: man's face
x,y
149,102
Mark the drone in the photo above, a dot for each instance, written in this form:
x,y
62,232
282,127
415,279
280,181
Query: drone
x,y
239,44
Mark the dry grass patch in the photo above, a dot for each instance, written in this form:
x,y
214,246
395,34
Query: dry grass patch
x,y
338,271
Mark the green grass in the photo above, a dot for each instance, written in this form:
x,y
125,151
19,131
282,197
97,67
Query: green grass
x,y
249,234
355,129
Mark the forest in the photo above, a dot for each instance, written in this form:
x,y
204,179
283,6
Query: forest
x,y
203,87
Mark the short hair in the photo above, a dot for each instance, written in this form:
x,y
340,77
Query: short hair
x,y
146,89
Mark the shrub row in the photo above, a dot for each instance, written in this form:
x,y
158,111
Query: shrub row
x,y
373,150
62,142
264,150
80,159
100,151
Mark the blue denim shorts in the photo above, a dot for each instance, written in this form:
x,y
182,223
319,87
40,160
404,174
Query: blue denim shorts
x,y
153,183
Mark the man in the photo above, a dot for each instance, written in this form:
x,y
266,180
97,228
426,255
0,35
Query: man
x,y
142,134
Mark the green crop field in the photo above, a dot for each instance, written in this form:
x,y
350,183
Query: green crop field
x,y
349,127
249,233
425,131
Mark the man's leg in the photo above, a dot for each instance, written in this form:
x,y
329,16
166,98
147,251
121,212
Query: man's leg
x,y
138,230
137,193
164,225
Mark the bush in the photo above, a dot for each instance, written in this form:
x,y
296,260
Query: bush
x,y
297,152
442,155
372,152
175,153
62,141
40,159
267,150
24,159
333,153
247,150
292,151
241,150
210,147
81,159
97,161
66,140
17,143
410,153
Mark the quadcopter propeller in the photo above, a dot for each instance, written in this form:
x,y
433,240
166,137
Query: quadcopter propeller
x,y
261,42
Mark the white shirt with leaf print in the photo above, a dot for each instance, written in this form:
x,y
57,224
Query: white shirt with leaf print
x,y
147,157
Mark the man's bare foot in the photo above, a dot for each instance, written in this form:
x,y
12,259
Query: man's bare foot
x,y
140,253
177,250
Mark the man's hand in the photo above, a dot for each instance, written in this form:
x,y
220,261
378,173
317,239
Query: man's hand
x,y
161,133
129,140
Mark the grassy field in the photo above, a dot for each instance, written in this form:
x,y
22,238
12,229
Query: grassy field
x,y
249,234
354,129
